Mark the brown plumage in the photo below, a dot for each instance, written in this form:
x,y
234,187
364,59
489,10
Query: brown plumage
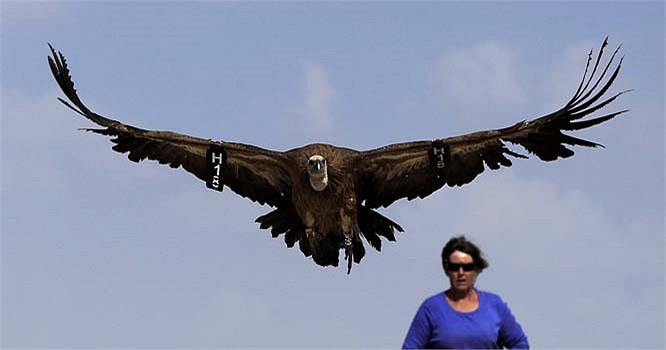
x,y
324,196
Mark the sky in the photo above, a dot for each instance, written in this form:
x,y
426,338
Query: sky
x,y
100,252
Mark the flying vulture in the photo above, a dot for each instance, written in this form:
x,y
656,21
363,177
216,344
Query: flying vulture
x,y
325,197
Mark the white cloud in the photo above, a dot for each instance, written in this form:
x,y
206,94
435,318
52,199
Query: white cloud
x,y
479,79
31,12
29,145
314,117
40,141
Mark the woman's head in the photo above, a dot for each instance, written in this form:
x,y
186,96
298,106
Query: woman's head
x,y
462,261
463,245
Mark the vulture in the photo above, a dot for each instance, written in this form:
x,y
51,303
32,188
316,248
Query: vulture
x,y
324,197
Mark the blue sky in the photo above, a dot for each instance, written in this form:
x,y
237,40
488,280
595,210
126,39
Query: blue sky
x,y
100,252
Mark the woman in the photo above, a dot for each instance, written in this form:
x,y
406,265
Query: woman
x,y
463,316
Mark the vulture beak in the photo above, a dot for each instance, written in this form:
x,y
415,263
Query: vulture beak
x,y
318,172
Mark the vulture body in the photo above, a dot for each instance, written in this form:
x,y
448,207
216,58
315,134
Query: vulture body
x,y
325,196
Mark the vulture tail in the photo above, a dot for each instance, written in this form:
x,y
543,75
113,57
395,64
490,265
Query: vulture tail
x,y
285,220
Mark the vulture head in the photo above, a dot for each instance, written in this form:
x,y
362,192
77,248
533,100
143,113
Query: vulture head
x,y
318,173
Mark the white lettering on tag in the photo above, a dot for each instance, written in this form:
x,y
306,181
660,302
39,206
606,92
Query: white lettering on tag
x,y
439,153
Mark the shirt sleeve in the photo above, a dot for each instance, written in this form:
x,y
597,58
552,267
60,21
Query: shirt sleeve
x,y
419,332
511,335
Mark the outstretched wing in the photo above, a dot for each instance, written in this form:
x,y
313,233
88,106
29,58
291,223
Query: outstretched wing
x,y
417,169
250,171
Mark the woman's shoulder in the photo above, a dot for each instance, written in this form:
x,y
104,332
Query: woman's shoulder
x,y
490,297
434,300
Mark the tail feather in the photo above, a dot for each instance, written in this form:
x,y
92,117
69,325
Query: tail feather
x,y
358,250
325,251
285,220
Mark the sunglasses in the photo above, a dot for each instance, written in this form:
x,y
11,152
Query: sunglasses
x,y
453,267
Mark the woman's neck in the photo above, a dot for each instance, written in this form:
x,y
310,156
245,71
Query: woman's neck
x,y
460,295
463,301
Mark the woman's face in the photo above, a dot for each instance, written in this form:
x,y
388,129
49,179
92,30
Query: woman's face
x,y
461,280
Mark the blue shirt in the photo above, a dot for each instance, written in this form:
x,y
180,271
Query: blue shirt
x,y
490,326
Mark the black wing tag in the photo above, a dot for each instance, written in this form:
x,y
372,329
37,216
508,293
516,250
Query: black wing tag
x,y
440,155
216,160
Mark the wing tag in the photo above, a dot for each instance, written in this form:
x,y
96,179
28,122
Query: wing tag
x,y
440,155
216,160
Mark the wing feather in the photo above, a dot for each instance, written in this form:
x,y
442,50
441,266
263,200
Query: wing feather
x,y
403,170
251,172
